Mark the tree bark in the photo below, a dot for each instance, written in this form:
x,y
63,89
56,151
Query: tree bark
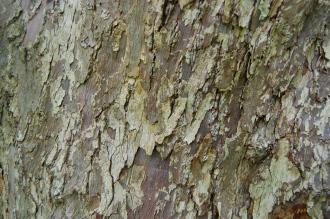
x,y
164,109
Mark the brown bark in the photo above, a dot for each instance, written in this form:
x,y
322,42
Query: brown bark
x,y
164,109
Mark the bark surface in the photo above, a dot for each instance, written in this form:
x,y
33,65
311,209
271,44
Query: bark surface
x,y
164,109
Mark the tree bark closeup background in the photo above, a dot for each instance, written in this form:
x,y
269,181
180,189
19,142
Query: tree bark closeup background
x,y
165,109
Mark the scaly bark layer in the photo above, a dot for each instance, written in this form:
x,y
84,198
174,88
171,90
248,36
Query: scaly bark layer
x,y
164,108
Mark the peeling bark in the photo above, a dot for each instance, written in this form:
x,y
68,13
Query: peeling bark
x,y
165,109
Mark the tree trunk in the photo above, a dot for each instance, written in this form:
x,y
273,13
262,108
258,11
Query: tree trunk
x,y
165,109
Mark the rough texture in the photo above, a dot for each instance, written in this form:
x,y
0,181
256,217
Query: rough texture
x,y
164,109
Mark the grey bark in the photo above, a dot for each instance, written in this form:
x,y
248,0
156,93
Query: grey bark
x,y
164,109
